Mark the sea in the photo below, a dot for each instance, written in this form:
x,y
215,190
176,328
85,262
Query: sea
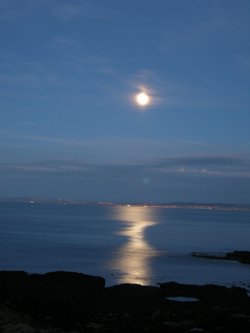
x,y
125,244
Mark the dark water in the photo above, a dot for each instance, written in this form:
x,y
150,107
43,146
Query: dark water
x,y
124,244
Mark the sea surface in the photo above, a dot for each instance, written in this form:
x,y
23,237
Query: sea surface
x,y
144,245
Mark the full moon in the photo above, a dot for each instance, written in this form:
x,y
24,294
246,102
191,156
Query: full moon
x,y
142,99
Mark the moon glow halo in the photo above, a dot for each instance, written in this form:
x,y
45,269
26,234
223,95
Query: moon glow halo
x,y
142,99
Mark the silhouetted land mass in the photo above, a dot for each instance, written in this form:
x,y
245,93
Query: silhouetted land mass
x,y
184,205
73,302
241,256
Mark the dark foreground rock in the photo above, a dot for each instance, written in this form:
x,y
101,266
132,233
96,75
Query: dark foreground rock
x,y
72,302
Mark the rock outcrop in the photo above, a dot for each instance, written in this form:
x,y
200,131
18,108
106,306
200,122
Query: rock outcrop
x,y
241,256
72,302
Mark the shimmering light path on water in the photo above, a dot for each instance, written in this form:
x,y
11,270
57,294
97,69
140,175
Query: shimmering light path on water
x,y
124,244
133,259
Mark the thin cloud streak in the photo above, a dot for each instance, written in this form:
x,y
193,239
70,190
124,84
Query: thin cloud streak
x,y
15,9
80,9
63,10
127,151
214,166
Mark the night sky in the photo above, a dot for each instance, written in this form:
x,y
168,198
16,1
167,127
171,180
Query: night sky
x,y
70,126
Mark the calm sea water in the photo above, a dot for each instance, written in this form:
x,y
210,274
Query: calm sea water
x,y
124,244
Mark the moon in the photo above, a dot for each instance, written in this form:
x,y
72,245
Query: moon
x,y
142,99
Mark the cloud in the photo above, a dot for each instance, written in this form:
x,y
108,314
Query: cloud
x,y
76,54
128,155
68,11
15,9
186,178
64,10
45,167
68,63
243,63
182,93
10,135
210,166
171,155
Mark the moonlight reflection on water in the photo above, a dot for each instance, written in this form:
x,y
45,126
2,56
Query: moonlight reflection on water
x,y
132,259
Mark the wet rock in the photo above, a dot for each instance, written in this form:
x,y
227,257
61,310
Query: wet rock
x,y
17,286
61,302
207,293
210,255
130,298
241,256
12,321
19,327
195,330
179,325
52,297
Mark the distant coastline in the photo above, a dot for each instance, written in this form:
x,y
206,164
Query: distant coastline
x,y
168,205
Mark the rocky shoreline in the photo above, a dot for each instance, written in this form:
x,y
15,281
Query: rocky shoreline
x,y
241,256
60,302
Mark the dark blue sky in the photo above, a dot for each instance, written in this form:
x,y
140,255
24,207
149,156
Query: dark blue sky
x,y
69,125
